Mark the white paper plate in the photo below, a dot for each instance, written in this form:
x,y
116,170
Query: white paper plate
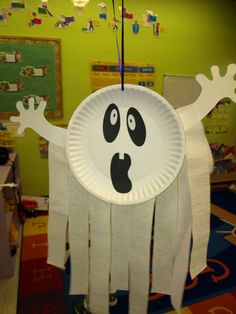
x,y
125,147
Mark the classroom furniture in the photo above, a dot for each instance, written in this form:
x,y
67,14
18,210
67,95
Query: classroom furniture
x,y
9,222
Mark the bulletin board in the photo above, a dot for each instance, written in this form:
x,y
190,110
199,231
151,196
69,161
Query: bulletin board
x,y
218,120
108,73
30,67
180,90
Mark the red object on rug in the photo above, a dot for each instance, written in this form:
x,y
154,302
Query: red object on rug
x,y
41,287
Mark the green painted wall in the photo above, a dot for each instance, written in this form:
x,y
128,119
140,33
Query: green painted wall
x,y
198,34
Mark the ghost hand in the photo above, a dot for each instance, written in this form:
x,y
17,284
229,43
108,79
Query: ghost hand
x,y
216,89
30,117
34,118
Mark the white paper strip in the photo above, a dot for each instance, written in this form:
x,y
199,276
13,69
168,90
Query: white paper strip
x,y
120,247
58,204
164,239
57,227
183,239
140,219
78,237
100,233
199,180
197,153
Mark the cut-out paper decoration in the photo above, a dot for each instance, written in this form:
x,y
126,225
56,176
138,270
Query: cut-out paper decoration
x,y
64,21
103,16
43,146
149,17
126,14
18,4
114,24
126,155
102,7
10,57
37,99
135,27
6,86
156,29
4,15
103,13
90,25
34,20
43,8
80,5
31,71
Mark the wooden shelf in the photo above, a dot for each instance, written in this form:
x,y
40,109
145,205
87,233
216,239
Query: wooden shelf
x,y
223,177
7,262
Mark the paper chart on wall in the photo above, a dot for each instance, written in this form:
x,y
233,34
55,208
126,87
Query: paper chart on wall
x,y
219,119
105,73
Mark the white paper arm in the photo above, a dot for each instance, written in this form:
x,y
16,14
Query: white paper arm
x,y
34,119
213,90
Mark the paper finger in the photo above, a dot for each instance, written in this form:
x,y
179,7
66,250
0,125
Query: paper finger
x,y
42,106
215,71
19,105
201,79
31,103
14,119
231,71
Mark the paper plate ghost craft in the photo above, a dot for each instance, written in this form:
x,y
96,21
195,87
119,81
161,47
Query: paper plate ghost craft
x,y
129,165
125,147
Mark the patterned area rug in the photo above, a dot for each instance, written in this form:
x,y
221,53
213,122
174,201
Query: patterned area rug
x,y
41,286
44,288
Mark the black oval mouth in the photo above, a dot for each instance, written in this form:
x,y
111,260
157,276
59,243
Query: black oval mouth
x,y
119,173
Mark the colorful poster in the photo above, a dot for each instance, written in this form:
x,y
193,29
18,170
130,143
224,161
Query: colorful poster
x,y
108,73
218,120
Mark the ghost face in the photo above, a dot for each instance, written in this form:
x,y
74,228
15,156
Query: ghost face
x,y
120,166
125,146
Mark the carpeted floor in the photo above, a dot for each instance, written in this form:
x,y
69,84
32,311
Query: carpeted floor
x,y
41,286
44,288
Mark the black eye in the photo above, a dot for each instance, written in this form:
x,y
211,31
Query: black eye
x,y
111,123
136,127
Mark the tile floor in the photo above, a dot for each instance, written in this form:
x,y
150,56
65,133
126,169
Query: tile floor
x,y
9,289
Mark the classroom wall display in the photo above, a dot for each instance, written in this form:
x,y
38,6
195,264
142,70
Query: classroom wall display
x,y
218,120
30,67
105,73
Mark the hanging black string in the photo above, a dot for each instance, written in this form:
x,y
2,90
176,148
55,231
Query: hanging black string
x,y
120,58
122,48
